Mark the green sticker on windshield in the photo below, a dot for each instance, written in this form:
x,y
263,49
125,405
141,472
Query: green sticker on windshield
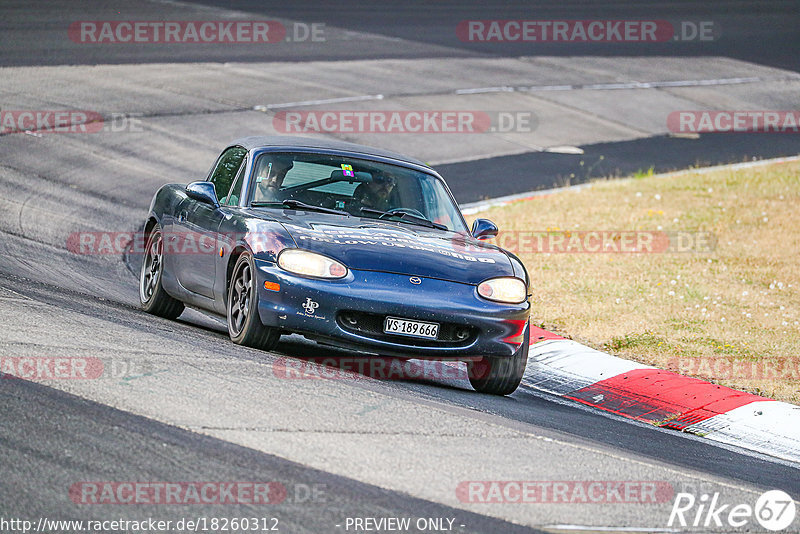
x,y
347,170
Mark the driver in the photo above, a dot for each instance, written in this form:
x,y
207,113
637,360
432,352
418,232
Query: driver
x,y
271,175
375,194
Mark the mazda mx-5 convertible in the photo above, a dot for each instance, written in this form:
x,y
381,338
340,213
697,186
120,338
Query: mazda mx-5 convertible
x,y
345,244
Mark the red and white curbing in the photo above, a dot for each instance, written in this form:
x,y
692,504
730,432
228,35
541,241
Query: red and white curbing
x,y
662,398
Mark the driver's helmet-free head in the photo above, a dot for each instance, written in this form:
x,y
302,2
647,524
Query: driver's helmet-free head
x,y
276,165
383,183
282,162
383,178
271,175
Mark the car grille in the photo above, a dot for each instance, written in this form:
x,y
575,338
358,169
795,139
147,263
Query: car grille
x,y
371,325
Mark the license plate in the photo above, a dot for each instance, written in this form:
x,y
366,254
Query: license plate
x,y
404,327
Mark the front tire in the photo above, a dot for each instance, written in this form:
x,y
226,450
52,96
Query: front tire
x,y
244,325
151,294
500,376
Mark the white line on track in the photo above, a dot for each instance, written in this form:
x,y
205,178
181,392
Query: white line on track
x,y
588,528
621,85
360,98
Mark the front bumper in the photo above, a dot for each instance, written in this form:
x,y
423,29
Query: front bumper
x,y
319,309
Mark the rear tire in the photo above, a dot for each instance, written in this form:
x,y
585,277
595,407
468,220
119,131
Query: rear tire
x,y
500,376
151,294
244,325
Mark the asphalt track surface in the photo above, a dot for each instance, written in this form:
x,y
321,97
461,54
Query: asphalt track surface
x,y
760,32
194,406
658,154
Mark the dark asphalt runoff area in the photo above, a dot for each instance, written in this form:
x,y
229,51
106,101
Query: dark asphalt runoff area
x,y
545,170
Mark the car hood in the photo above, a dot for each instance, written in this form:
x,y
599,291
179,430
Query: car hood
x,y
372,245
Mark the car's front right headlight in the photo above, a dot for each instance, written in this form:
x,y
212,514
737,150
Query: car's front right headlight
x,y
306,263
506,289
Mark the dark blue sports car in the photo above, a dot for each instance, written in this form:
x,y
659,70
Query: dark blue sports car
x,y
344,244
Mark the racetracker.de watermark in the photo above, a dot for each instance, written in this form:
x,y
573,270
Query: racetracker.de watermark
x,y
381,368
738,368
585,31
605,242
753,121
67,122
134,243
403,121
72,368
564,491
518,242
178,31
202,492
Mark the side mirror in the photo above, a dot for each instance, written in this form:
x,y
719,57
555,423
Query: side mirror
x,y
483,229
204,192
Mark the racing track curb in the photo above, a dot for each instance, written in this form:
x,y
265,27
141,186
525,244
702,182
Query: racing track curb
x,y
662,398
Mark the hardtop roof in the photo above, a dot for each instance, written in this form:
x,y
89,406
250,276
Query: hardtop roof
x,y
284,141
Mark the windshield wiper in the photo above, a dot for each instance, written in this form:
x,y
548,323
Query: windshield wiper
x,y
413,219
296,204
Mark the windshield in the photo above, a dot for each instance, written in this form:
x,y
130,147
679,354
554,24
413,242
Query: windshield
x,y
358,187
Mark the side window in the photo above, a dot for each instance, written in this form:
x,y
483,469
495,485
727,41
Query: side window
x,y
225,171
236,190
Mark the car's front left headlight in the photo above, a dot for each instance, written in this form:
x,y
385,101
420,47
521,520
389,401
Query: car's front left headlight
x,y
306,263
506,289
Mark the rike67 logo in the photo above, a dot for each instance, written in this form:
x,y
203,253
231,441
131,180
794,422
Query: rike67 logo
x,y
774,510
